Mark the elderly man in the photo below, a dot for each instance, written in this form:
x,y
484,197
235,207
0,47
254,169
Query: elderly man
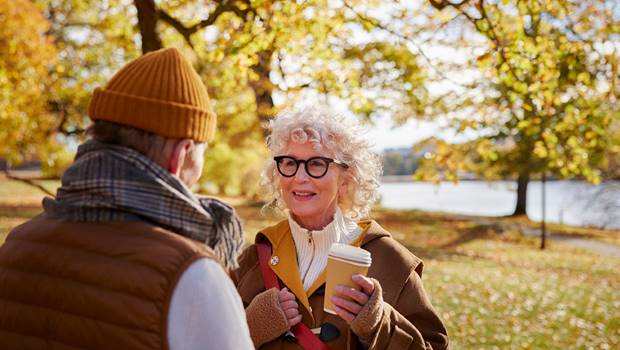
x,y
118,259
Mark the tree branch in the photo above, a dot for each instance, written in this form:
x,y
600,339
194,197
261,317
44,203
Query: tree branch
x,y
27,181
176,24
400,36
221,8
492,34
441,4
59,107
286,87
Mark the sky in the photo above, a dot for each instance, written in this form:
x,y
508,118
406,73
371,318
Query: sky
x,y
386,135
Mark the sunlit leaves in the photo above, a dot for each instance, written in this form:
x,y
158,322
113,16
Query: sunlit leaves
x,y
393,72
546,85
27,54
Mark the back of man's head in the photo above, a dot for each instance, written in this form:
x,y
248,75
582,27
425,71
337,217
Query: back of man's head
x,y
161,93
158,106
153,146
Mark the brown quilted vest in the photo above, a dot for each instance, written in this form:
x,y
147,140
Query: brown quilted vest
x,y
67,285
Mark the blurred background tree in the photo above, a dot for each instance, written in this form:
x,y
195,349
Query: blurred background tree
x,y
28,57
545,97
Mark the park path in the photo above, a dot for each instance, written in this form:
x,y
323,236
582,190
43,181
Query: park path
x,y
589,244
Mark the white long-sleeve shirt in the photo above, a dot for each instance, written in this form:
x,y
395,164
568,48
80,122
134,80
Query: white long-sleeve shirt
x,y
206,311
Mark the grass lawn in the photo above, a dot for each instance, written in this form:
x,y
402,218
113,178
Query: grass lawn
x,y
493,287
498,290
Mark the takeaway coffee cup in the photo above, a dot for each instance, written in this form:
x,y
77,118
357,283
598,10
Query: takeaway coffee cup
x,y
343,261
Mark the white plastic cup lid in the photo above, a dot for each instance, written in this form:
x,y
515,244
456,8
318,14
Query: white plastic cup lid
x,y
348,252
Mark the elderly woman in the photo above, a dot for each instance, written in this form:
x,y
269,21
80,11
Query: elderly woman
x,y
324,178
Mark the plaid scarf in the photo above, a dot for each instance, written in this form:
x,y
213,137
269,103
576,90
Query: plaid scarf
x,y
113,183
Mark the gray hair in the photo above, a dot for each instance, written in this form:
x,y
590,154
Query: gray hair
x,y
142,141
153,146
341,135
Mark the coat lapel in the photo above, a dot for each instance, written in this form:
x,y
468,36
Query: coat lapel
x,y
283,247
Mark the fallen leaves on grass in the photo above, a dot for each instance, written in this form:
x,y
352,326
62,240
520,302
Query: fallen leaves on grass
x,y
510,296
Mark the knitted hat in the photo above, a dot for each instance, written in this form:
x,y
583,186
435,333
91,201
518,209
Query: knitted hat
x,y
159,92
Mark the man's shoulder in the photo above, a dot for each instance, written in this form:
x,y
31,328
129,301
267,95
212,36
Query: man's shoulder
x,y
203,269
131,237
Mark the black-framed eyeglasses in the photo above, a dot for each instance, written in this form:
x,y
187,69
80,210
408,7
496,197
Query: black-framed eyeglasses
x,y
316,167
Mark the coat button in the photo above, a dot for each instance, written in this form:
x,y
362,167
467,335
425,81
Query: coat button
x,y
274,260
329,332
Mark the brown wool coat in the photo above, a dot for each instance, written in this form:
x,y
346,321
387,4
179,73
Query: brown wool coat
x,y
405,317
67,285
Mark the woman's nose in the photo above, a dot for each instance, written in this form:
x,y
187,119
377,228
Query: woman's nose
x,y
302,174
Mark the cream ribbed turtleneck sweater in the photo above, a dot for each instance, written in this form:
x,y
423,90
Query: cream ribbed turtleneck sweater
x,y
312,246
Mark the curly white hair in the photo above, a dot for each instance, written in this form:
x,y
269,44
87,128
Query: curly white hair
x,y
343,137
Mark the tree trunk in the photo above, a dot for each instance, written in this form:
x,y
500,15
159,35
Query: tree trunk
x,y
147,21
263,88
522,182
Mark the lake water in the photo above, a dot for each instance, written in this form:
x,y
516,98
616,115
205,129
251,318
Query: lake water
x,y
569,202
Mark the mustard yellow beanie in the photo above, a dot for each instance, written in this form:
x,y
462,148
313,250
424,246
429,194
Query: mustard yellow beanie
x,y
159,92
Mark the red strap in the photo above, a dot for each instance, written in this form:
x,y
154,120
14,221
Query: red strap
x,y
305,337
264,255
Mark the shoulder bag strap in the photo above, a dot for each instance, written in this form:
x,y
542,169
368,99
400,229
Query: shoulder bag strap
x,y
305,337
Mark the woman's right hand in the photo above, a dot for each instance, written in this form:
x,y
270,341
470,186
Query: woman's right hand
x,y
289,306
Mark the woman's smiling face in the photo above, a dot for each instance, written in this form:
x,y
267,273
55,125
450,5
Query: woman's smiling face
x,y
312,202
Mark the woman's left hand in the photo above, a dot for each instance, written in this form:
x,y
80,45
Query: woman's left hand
x,y
347,309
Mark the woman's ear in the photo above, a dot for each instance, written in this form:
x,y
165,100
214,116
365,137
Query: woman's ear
x,y
343,183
